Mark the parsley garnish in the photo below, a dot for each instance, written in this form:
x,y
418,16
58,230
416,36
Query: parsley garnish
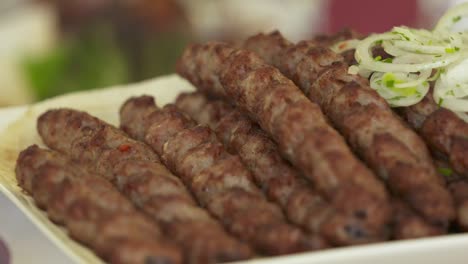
x,y
449,50
397,98
440,101
445,171
390,83
388,60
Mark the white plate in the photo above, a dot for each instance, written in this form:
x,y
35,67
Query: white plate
x,y
451,249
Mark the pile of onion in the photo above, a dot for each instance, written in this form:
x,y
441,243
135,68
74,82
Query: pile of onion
x,y
417,57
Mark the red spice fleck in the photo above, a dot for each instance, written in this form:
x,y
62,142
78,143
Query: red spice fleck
x,y
124,147
342,46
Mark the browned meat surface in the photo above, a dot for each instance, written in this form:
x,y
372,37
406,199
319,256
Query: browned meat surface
x,y
390,148
459,190
137,172
297,125
327,40
448,134
218,179
444,132
275,176
416,114
92,210
342,35
458,186
407,224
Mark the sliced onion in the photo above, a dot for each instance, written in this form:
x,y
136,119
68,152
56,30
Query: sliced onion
x,y
452,17
364,57
400,93
417,53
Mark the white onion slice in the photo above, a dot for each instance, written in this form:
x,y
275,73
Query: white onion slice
x,y
452,17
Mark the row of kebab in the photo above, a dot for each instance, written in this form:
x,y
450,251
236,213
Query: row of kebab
x,y
279,151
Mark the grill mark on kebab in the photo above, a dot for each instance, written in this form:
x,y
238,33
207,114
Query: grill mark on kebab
x,y
295,123
392,150
92,210
279,180
137,172
218,179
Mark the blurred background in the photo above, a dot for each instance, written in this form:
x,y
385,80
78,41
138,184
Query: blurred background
x,y
50,47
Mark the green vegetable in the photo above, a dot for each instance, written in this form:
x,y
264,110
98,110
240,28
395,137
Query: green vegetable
x,y
396,98
452,50
390,80
447,172
91,61
388,60
440,102
456,19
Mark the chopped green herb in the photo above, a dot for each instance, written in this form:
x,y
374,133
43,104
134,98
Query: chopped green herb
x,y
456,19
378,58
440,101
397,98
449,50
450,93
390,83
438,56
457,48
379,42
447,172
388,60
